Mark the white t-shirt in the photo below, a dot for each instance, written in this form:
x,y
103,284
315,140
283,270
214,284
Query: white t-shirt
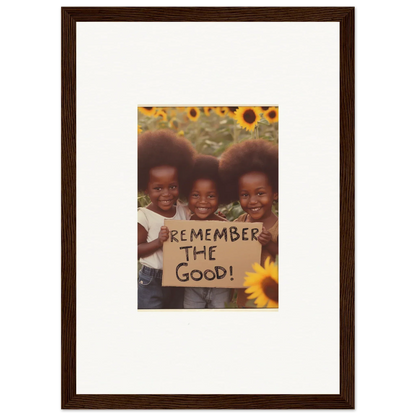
x,y
151,222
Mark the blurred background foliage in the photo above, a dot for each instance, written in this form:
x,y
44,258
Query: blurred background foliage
x,y
211,130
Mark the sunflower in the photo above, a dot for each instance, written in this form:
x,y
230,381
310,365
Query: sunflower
x,y
272,115
162,113
263,109
207,110
174,123
263,286
181,133
231,111
148,111
139,129
193,113
221,111
247,117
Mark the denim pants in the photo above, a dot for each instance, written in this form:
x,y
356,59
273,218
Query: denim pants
x,y
201,298
152,295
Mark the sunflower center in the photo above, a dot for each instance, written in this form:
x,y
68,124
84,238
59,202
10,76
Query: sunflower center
x,y
148,108
269,287
272,114
193,112
264,108
249,116
232,109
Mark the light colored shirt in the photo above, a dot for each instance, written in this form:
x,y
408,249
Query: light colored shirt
x,y
151,222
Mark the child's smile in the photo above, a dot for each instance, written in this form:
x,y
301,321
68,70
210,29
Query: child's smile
x,y
163,189
203,199
256,195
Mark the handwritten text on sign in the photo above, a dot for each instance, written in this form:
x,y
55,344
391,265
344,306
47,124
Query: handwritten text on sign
x,y
209,253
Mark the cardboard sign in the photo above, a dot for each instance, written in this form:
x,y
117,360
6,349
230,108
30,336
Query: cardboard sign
x,y
210,253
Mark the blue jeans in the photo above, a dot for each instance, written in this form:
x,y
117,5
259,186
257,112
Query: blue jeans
x,y
201,297
152,295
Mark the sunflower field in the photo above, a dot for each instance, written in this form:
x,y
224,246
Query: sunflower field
x,y
211,130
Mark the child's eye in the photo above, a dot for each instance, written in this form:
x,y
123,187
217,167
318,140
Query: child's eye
x,y
195,195
244,195
173,187
211,196
157,188
260,193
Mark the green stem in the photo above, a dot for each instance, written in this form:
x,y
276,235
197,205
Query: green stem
x,y
235,131
154,123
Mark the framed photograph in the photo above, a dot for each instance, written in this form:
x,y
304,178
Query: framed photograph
x,y
195,70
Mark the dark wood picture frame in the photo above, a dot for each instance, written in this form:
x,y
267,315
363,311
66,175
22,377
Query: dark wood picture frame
x,y
71,400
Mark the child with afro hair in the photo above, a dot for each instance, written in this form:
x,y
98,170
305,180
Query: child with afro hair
x,y
204,195
205,191
250,170
164,164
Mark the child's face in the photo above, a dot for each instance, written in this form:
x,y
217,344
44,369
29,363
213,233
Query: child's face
x,y
203,198
256,195
163,187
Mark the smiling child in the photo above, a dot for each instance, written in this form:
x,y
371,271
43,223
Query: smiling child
x,y
165,161
205,194
250,170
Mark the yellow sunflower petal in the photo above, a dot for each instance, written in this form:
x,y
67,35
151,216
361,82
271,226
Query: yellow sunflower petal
x,y
272,304
261,301
274,274
259,269
255,294
270,267
255,290
251,274
253,280
252,296
267,263
251,289
252,283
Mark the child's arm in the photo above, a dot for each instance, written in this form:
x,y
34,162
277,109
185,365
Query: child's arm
x,y
265,239
144,248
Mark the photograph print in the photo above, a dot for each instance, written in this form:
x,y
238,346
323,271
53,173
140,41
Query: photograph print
x,y
207,207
